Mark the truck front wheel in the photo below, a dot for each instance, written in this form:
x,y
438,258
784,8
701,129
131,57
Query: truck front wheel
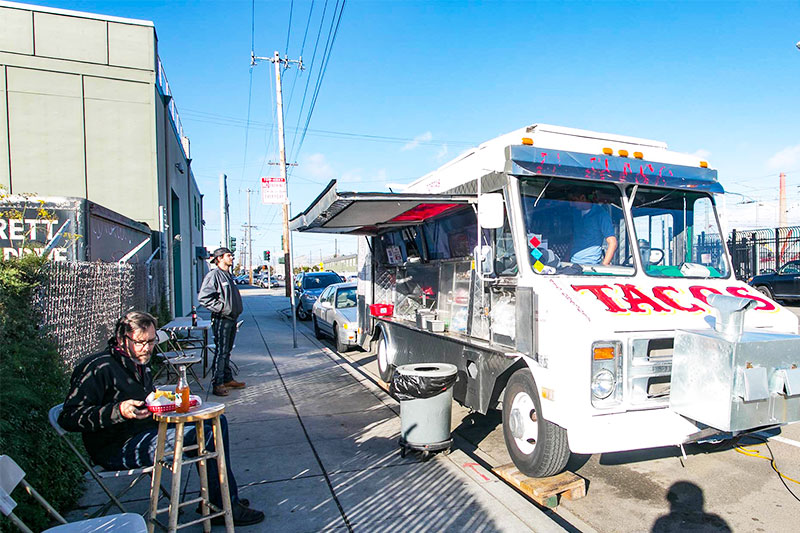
x,y
538,448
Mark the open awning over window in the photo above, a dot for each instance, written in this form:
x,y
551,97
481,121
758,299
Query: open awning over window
x,y
367,213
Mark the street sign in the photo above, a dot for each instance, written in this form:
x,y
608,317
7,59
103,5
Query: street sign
x,y
273,190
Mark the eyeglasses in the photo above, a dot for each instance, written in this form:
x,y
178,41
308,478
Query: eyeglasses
x,y
142,344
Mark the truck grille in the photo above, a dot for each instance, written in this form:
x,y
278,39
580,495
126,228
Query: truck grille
x,y
648,372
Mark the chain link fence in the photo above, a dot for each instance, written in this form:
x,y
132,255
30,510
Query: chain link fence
x,y
81,301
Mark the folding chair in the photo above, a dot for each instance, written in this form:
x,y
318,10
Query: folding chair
x,y
12,475
97,472
175,356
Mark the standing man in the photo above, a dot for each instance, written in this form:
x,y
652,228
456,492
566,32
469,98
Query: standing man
x,y
219,295
106,404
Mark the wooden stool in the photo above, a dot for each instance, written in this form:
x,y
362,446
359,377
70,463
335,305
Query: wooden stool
x,y
207,411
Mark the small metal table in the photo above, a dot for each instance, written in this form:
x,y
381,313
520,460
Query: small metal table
x,y
197,415
184,323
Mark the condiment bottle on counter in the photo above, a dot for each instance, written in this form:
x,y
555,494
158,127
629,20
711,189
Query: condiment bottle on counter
x,y
182,393
194,316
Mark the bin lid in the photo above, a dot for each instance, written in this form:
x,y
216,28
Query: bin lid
x,y
428,370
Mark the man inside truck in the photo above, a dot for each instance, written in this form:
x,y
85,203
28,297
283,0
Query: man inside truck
x,y
591,227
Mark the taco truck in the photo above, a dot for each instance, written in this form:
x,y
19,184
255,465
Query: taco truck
x,y
580,282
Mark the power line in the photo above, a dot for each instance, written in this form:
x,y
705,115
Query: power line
x,y
239,123
288,32
325,61
302,49
310,70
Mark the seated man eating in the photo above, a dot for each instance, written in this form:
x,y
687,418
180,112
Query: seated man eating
x,y
106,404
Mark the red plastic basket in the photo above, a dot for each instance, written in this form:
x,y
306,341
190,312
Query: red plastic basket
x,y
193,402
381,309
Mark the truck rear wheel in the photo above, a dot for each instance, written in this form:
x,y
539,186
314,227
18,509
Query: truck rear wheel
x,y
538,448
385,366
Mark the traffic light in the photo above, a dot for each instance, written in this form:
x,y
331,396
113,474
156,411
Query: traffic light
x,y
267,255
233,244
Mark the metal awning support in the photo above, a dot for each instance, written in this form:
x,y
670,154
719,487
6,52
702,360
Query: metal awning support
x,y
368,213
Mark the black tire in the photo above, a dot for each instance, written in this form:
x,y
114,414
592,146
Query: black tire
x,y
538,450
317,331
340,346
763,289
385,367
301,313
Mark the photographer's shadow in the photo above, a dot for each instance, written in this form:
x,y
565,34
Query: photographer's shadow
x,y
686,512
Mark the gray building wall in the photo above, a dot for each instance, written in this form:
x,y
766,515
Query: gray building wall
x,y
84,112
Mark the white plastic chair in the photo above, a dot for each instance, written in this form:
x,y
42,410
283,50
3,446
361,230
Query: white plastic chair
x,y
12,475
98,473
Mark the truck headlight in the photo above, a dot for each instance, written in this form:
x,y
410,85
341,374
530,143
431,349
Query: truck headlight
x,y
603,384
606,384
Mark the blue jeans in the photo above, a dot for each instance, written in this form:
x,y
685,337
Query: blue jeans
x,y
140,450
224,330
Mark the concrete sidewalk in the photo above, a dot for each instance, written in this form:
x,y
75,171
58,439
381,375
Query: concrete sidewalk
x,y
314,445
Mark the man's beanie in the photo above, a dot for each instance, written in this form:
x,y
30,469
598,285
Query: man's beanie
x,y
219,252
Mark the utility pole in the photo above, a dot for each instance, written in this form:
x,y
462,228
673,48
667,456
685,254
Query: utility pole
x,y
782,223
225,228
249,236
287,252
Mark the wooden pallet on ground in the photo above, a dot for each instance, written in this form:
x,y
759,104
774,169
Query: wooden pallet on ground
x,y
544,491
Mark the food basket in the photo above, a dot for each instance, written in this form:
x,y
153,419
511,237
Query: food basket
x,y
166,403
381,309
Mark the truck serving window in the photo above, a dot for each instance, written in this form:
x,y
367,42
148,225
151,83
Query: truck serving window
x,y
678,234
451,236
575,227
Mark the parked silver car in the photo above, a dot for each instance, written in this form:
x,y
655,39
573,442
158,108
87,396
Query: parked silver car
x,y
335,315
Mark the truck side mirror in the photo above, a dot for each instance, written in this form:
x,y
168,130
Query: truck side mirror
x,y
490,210
484,260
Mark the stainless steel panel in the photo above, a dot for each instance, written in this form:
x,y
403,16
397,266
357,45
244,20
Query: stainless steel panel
x,y
723,382
525,321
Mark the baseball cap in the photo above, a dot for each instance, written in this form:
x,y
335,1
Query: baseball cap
x,y
219,252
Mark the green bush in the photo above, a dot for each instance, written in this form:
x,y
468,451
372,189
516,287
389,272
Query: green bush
x,y
33,378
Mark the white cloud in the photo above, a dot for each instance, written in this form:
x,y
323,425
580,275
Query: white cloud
x,y
702,154
427,136
786,159
442,153
316,166
351,176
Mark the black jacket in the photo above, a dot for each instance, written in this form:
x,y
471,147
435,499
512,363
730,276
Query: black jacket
x,y
219,294
99,384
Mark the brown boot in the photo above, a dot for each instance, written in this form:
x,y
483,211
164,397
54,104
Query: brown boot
x,y
221,390
233,384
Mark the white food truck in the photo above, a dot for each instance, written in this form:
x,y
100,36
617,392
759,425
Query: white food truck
x,y
580,282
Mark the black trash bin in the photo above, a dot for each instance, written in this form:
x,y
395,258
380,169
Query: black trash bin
x,y
425,391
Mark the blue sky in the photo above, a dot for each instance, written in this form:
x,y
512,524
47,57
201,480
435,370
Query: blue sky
x,y
715,78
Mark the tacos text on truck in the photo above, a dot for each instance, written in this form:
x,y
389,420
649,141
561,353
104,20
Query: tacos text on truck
x,y
580,282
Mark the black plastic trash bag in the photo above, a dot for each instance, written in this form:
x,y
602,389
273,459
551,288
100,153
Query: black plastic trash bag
x,y
415,385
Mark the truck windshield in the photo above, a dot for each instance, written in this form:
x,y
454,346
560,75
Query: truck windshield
x,y
575,227
678,234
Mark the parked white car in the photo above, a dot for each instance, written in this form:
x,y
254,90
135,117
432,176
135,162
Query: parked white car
x,y
335,315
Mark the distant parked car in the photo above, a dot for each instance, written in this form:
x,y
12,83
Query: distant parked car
x,y
242,279
335,315
309,287
781,285
266,283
